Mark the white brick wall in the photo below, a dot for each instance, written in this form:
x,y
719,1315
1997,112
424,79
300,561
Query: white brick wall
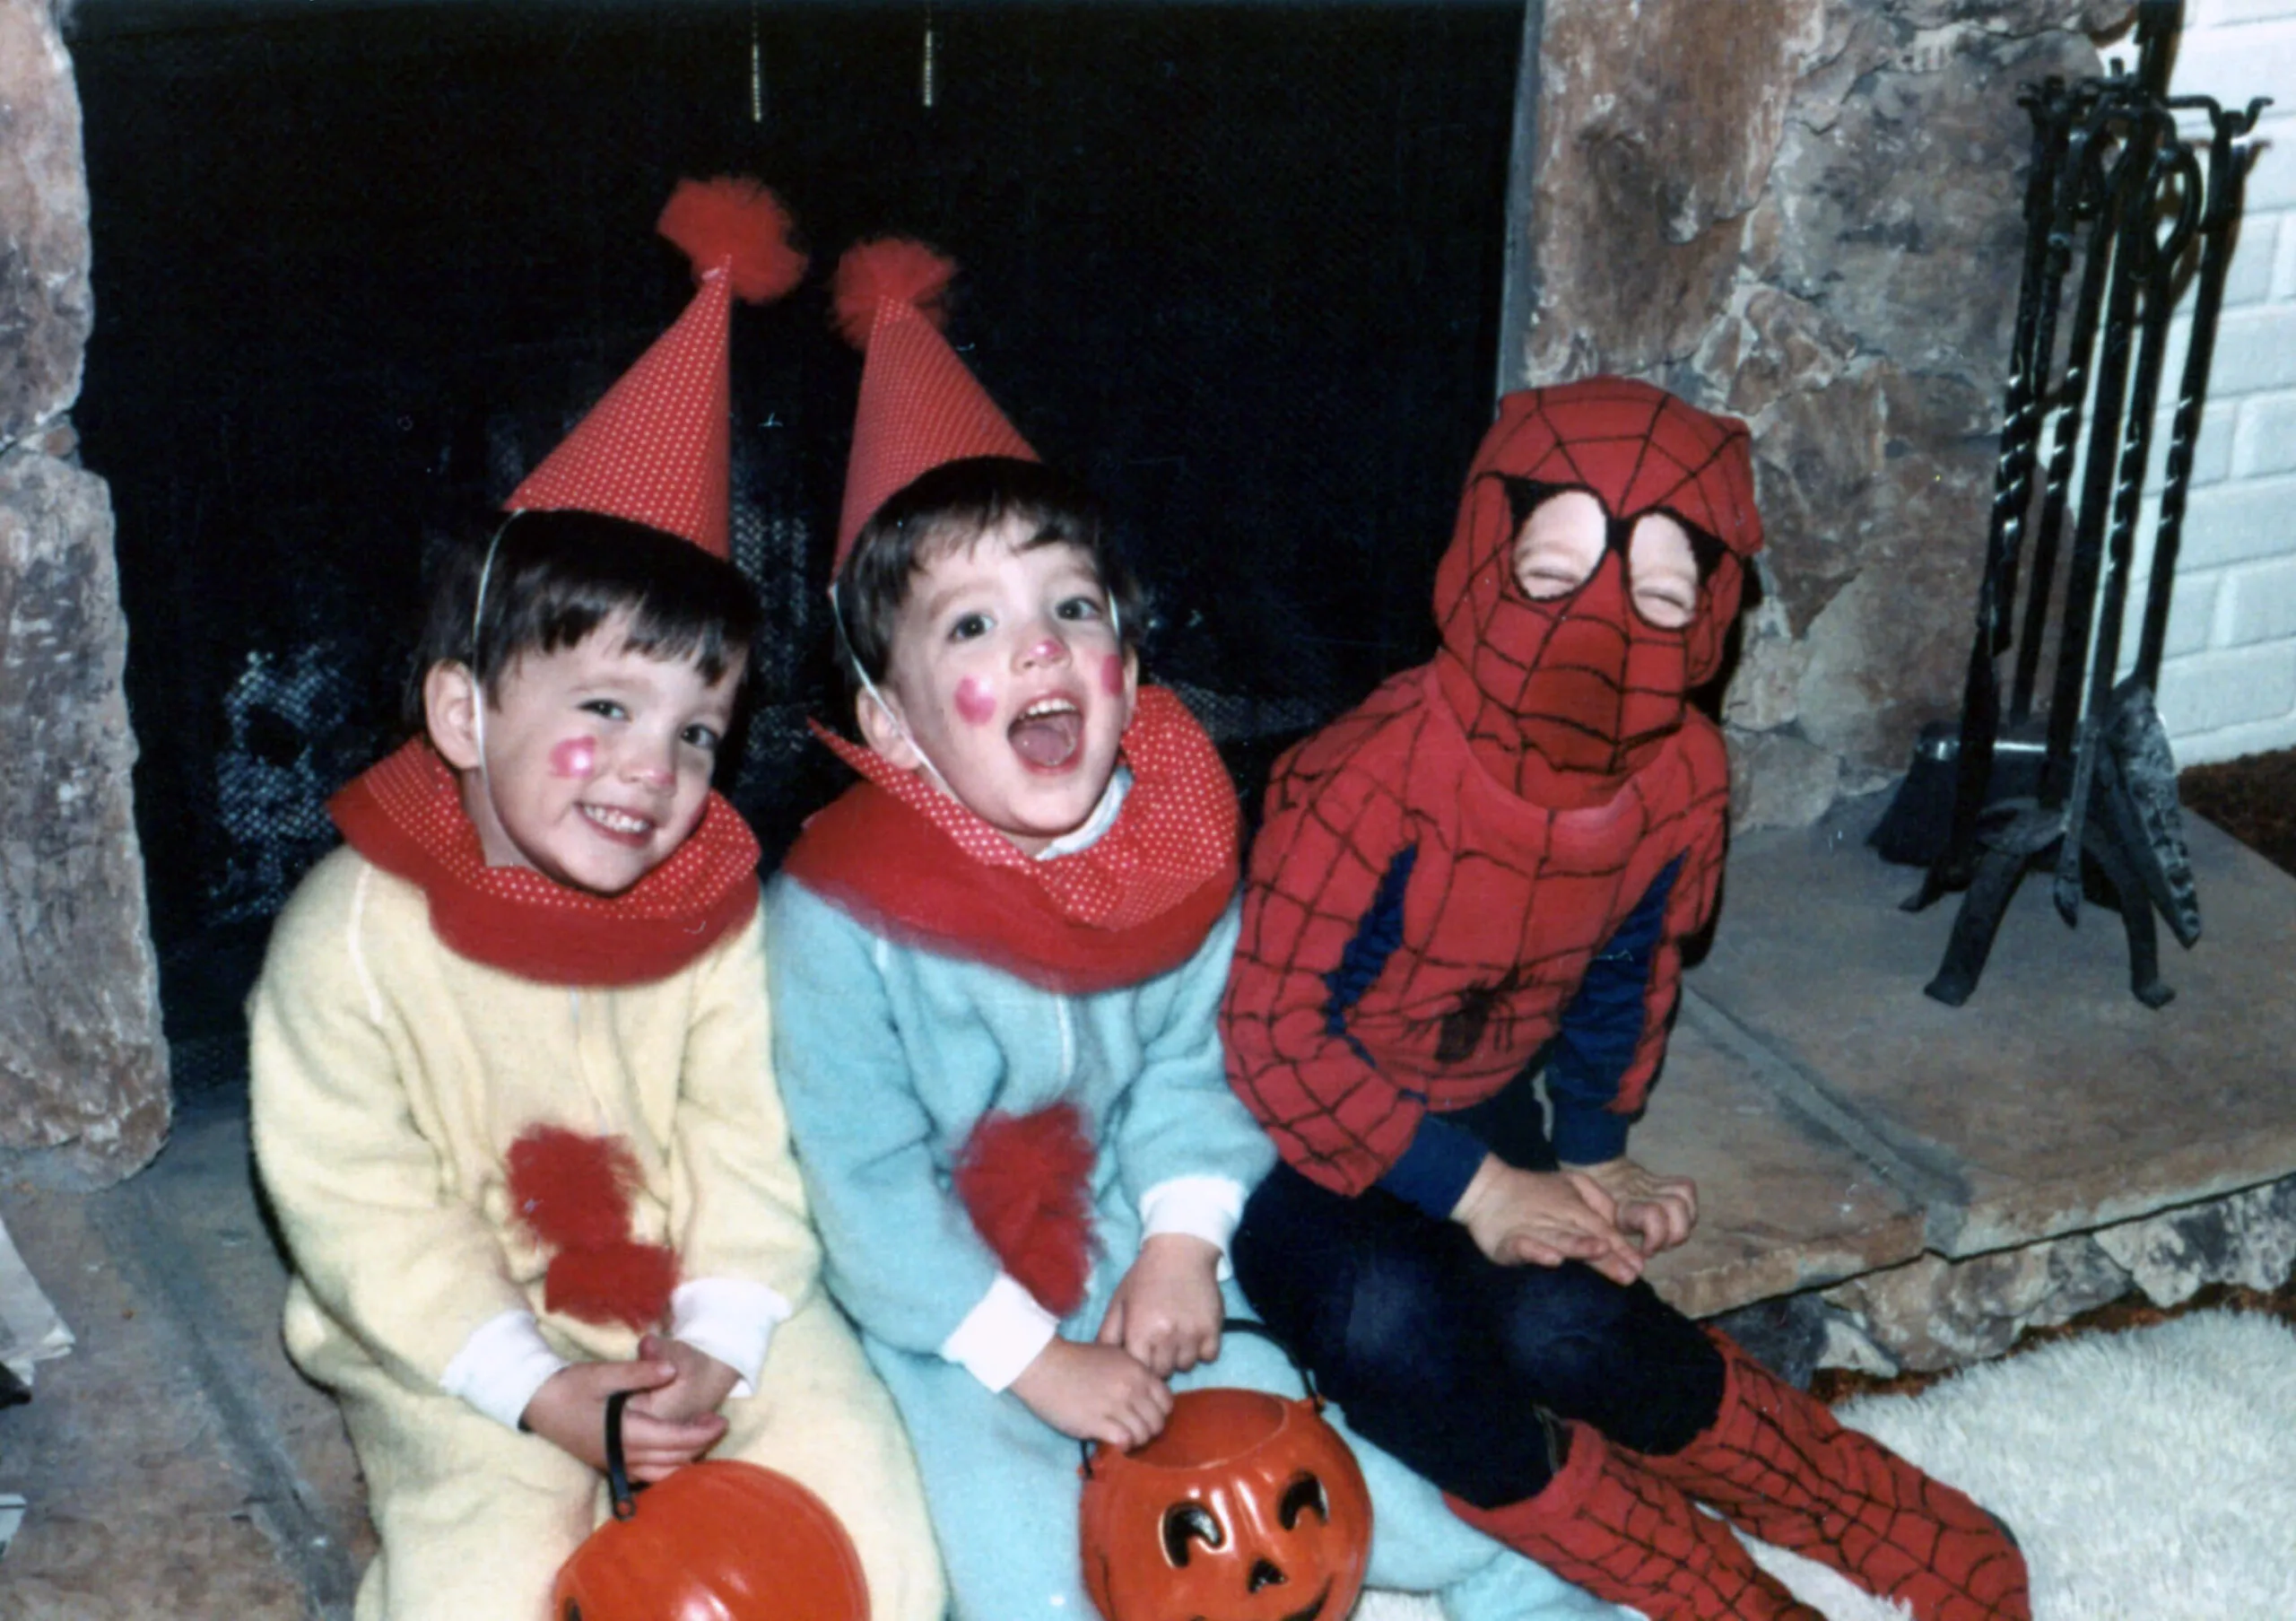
x,y
2228,681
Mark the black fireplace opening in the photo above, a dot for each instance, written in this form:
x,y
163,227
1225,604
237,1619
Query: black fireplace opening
x,y
358,267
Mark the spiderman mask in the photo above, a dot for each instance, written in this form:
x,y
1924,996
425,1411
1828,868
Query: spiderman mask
x,y
1573,631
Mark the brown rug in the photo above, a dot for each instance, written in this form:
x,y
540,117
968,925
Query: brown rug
x,y
2252,798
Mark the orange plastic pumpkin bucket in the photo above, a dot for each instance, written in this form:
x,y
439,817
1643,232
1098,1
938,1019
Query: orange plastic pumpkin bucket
x,y
1246,1507
716,1541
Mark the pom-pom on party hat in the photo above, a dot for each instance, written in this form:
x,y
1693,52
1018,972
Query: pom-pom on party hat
x,y
919,405
656,450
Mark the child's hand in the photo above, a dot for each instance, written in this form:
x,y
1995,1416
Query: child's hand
x,y
1543,1218
700,1388
1094,1393
570,1412
1657,1212
1167,1310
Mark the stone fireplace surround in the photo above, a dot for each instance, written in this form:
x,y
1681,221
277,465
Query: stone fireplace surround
x,y
1805,212
1805,239
1802,211
83,1071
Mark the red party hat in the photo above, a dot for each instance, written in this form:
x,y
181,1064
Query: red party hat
x,y
656,450
919,406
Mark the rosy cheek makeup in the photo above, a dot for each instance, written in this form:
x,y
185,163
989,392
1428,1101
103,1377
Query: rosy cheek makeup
x,y
575,757
976,701
1112,675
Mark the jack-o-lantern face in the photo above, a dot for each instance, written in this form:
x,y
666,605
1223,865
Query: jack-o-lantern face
x,y
1246,1507
716,1541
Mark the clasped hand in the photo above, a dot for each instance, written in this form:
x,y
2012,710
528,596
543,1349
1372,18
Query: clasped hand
x,y
1164,1319
1543,1218
1656,1211
671,1419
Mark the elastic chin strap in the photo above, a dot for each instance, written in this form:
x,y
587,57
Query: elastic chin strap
x,y
478,687
860,674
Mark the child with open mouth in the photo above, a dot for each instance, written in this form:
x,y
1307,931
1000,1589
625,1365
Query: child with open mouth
x,y
997,973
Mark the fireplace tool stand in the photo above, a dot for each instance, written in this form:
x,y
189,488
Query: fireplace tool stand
x,y
2088,786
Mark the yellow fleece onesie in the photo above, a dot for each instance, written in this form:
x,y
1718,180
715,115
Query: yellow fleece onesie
x,y
389,1078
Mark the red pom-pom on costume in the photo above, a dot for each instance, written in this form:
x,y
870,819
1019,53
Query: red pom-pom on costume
x,y
621,1282
573,1192
899,269
730,218
1026,1181
570,1190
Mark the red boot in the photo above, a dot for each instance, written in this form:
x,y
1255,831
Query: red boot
x,y
1627,1536
1779,1465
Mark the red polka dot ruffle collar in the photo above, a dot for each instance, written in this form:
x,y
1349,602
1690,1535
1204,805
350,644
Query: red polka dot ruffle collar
x,y
405,815
1136,902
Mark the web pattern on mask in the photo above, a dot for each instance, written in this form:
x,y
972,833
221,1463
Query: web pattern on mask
x,y
1583,668
1637,448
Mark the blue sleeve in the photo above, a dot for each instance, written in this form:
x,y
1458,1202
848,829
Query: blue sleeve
x,y
1600,1030
899,1251
1183,1119
1434,1172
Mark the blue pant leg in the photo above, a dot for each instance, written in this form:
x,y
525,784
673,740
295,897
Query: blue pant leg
x,y
1002,1486
1457,1364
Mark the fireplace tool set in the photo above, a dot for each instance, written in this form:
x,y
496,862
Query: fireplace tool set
x,y
2121,208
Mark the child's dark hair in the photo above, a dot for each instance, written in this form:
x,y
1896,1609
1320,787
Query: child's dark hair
x,y
555,576
953,505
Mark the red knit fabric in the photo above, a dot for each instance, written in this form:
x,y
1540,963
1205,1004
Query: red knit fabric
x,y
405,815
919,406
1778,1463
892,851
1522,866
1509,903
1627,1536
655,448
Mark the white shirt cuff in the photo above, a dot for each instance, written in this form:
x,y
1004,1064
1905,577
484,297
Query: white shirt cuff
x,y
1002,1336
500,1366
1202,1207
730,1319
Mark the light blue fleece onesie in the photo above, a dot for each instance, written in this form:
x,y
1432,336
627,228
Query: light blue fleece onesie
x,y
887,1058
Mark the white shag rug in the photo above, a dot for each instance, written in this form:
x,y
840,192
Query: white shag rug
x,y
2151,1476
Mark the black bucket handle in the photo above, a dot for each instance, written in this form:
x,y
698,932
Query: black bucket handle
x,y
618,1481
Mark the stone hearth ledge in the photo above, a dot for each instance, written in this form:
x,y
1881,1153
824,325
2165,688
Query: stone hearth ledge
x,y
1842,1125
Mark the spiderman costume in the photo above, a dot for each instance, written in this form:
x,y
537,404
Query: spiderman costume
x,y
1485,872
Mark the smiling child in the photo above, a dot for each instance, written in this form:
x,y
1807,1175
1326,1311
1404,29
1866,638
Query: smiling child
x,y
512,1090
